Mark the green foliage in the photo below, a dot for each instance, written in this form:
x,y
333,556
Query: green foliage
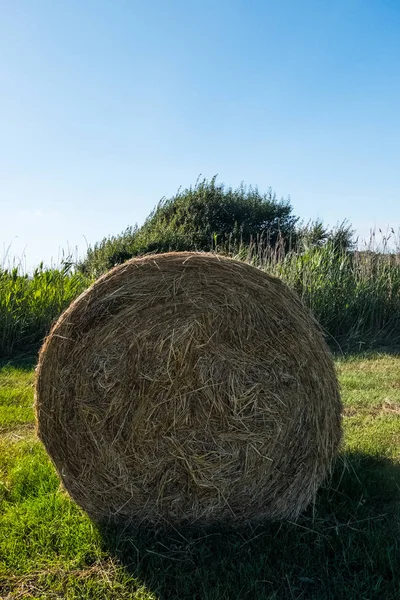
x,y
108,253
209,215
206,217
355,296
316,234
29,304
341,237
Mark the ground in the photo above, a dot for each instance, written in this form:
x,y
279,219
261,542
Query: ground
x,y
346,547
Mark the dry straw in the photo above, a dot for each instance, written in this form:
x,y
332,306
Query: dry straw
x,y
188,388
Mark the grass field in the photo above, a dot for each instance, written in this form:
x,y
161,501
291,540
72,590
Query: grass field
x,y
346,547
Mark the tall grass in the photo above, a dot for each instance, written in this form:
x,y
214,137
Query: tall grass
x,y
29,304
354,295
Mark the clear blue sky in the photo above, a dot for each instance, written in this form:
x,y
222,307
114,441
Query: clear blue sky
x,y
108,105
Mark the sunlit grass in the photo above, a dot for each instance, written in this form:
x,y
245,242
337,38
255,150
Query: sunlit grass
x,y
16,402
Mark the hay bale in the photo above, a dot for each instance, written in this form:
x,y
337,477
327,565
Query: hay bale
x,y
188,388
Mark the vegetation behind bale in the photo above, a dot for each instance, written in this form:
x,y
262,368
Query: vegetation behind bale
x,y
29,304
354,296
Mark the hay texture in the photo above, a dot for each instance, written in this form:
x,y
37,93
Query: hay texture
x,y
188,388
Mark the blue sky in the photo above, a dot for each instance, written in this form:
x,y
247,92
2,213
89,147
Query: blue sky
x,y
108,105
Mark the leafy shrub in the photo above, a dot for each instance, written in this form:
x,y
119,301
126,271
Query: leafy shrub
x,y
205,217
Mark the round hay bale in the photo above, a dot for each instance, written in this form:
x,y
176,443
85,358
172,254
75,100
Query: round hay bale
x,y
188,388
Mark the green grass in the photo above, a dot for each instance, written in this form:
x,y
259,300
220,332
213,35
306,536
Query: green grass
x,y
346,547
28,305
15,398
354,296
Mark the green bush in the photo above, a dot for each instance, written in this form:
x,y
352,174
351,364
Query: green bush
x,y
206,217
108,253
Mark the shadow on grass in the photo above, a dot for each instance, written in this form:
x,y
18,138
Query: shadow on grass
x,y
346,547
